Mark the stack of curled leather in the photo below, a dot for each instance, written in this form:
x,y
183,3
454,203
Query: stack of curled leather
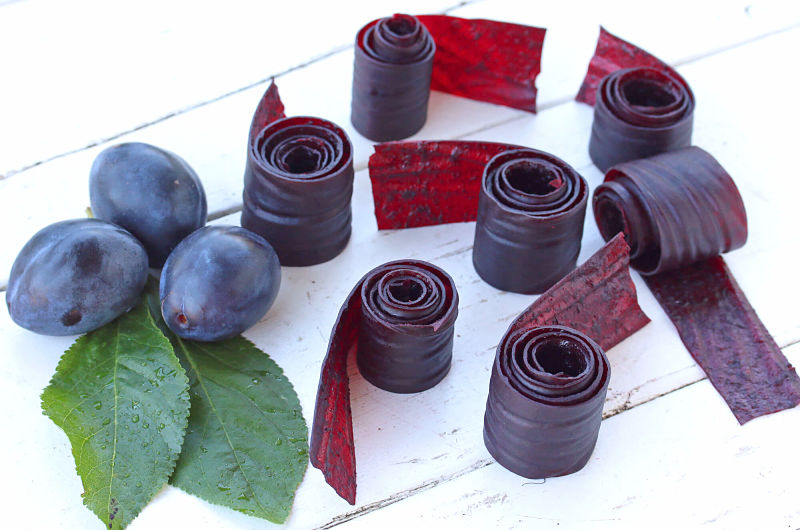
x,y
297,189
392,78
529,222
640,112
545,403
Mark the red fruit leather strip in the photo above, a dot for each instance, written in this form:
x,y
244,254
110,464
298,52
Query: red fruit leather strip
x,y
332,448
428,183
612,54
727,339
269,109
486,60
402,345
598,299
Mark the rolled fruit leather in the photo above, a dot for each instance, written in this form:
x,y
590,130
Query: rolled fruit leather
x,y
297,187
399,59
643,107
678,211
545,403
391,78
529,222
640,112
399,320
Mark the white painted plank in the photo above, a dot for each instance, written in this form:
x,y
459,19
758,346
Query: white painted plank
x,y
75,73
672,463
117,66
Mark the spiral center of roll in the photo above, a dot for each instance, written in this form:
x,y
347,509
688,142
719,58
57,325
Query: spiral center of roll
x,y
611,220
302,159
400,25
533,179
406,290
560,357
647,93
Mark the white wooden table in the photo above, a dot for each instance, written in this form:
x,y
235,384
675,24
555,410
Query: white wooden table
x,y
78,76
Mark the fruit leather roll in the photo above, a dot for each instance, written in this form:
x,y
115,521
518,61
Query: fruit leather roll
x,y
545,403
529,221
297,188
642,106
392,78
398,59
678,211
640,112
399,320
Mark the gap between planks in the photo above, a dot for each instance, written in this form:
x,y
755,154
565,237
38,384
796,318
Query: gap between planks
x,y
483,463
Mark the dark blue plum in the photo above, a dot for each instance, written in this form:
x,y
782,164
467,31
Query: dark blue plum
x,y
218,282
75,276
152,193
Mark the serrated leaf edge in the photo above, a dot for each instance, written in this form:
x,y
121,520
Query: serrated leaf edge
x,y
183,397
281,373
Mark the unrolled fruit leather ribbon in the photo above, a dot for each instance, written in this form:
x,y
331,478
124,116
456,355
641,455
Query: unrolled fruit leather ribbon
x,y
398,320
398,59
642,106
679,211
298,183
545,403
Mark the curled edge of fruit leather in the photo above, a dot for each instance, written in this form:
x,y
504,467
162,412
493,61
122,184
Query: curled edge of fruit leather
x,y
486,60
612,54
430,335
598,299
427,183
678,211
269,109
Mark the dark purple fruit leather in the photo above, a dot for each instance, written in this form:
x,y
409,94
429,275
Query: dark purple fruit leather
x,y
297,188
392,78
679,211
530,221
398,320
545,403
640,112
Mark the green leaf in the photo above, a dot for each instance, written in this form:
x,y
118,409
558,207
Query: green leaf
x,y
121,396
246,445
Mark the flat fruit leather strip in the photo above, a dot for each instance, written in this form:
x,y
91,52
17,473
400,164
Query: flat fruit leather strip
x,y
678,211
429,183
486,60
398,321
545,403
598,299
530,221
727,339
612,54
298,184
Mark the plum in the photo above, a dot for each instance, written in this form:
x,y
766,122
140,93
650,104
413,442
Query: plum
x,y
74,276
218,282
152,193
